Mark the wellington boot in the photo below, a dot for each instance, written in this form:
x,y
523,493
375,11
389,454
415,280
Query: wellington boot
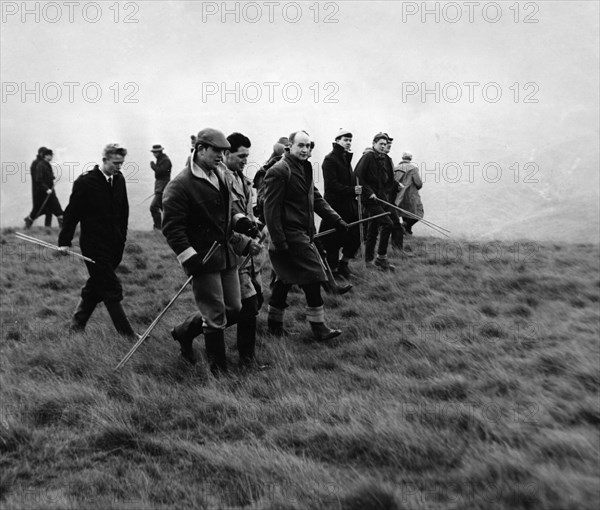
x,y
215,352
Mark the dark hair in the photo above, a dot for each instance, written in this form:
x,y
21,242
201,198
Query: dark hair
x,y
43,152
237,140
40,152
312,145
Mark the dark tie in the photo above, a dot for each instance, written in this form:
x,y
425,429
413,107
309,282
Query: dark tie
x,y
110,181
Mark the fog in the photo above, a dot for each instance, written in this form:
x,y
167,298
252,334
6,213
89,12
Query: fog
x,y
500,107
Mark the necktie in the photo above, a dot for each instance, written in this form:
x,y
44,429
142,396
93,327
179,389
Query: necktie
x,y
110,181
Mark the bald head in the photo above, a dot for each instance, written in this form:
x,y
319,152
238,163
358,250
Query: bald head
x,y
300,147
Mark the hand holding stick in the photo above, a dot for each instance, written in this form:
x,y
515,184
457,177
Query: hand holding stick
x,y
141,340
62,249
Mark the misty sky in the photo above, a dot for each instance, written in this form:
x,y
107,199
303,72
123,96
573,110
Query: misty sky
x,y
364,72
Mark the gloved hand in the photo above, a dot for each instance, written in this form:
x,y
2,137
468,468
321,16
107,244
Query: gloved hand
x,y
247,227
63,250
49,191
341,227
254,247
193,265
399,186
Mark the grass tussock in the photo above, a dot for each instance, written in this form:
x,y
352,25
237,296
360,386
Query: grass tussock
x,y
459,382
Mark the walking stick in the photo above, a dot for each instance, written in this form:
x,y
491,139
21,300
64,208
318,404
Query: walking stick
x,y
39,242
141,340
43,205
353,224
427,223
248,257
149,196
362,231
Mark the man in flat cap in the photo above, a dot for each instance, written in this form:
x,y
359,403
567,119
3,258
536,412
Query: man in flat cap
x,y
197,211
291,199
376,176
162,176
341,191
99,203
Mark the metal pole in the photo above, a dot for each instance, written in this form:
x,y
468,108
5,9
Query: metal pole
x,y
33,240
353,224
428,223
141,340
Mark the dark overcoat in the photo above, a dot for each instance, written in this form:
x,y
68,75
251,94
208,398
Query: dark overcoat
x,y
103,212
291,200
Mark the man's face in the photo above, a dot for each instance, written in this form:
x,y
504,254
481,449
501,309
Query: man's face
x,y
380,145
388,148
112,164
209,157
345,142
301,146
157,154
48,157
236,161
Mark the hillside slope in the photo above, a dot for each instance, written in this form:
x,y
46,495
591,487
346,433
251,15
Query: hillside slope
x,y
467,379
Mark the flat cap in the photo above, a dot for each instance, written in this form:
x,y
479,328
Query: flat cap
x,y
213,137
381,135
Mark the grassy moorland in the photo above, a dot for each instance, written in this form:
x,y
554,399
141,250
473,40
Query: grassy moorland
x,y
467,379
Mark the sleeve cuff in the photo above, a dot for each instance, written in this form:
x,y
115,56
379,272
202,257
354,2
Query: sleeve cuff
x,y
186,254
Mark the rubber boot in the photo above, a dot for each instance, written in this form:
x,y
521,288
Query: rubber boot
x,y
215,352
186,345
28,222
316,319
275,321
246,340
82,314
60,221
117,314
48,221
344,269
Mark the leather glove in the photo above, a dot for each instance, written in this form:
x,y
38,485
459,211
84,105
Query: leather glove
x,y
193,265
341,227
254,247
247,227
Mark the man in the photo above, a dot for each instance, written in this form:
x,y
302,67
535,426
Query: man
x,y
408,198
278,149
397,236
236,159
376,176
45,200
162,176
341,191
99,202
197,211
290,200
